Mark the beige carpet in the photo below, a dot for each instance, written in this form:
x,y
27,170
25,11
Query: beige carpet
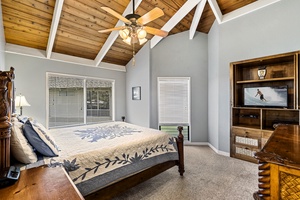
x,y
208,176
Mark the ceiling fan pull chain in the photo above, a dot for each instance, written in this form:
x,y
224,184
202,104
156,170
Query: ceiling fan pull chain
x,y
133,53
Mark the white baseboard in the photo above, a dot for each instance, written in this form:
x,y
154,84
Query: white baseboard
x,y
188,143
223,153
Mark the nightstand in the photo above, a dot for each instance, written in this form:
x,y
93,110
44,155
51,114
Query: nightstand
x,y
42,183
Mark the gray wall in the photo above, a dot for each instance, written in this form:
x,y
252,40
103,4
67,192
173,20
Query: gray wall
x,y
213,86
31,82
177,56
271,30
2,43
138,111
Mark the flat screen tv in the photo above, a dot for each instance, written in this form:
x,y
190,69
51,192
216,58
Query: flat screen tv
x,y
266,96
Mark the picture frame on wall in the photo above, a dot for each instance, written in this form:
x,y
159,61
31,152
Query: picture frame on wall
x,y
136,93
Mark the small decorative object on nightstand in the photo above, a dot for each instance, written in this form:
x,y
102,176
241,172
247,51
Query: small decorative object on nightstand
x,y
123,118
262,71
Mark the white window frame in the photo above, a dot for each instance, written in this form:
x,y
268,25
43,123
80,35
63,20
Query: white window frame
x,y
187,81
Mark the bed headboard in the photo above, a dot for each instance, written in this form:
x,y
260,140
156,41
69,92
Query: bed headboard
x,y
6,105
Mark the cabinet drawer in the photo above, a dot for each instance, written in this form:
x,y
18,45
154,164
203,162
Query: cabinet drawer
x,y
244,132
247,137
245,153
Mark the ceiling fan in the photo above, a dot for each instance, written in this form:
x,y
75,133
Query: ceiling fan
x,y
134,30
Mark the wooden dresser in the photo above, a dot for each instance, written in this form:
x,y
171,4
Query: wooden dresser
x,y
279,165
42,183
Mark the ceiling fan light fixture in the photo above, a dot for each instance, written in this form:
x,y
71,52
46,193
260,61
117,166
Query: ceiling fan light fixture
x,y
142,41
141,33
127,40
124,33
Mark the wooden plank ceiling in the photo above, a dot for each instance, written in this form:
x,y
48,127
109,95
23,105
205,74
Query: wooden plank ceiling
x,y
28,23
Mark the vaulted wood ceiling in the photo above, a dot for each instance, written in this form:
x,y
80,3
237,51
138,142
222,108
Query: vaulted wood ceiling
x,y
70,27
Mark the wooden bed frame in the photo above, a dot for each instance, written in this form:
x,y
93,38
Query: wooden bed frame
x,y
6,107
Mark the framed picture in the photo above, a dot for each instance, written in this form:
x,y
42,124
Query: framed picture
x,y
136,93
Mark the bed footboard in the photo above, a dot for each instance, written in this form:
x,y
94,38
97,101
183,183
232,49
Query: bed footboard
x,y
179,141
129,182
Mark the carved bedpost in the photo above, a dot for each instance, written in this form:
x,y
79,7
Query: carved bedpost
x,y
179,141
6,78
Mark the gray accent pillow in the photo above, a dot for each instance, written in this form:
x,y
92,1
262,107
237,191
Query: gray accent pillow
x,y
39,140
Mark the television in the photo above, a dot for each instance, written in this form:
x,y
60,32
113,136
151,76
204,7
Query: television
x,y
266,96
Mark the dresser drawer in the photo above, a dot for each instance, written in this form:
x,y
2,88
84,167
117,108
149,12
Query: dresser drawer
x,y
247,137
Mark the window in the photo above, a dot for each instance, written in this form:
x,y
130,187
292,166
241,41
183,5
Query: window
x,y
78,100
174,103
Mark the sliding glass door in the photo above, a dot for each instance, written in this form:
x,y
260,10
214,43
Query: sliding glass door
x,y
75,100
65,101
98,101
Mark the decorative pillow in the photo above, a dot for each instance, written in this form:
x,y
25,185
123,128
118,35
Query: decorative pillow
x,y
22,118
40,139
20,148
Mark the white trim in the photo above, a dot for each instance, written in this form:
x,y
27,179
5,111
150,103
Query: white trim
x,y
47,101
31,52
189,143
223,153
54,25
114,102
247,9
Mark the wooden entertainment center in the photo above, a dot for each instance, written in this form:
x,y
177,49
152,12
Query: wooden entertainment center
x,y
251,126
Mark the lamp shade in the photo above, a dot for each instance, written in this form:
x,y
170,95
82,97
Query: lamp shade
x,y
21,101
141,33
124,33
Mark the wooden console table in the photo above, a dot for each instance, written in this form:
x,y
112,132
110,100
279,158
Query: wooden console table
x,y
279,165
42,183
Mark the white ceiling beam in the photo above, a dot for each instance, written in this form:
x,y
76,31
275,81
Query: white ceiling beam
x,y
177,17
54,25
196,18
114,34
216,10
247,9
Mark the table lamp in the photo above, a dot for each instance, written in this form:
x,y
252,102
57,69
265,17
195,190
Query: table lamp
x,y
21,101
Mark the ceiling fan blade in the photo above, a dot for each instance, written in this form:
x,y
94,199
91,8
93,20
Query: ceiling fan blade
x,y
155,31
117,15
112,29
150,16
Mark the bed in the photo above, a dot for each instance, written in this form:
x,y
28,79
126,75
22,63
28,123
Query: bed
x,y
101,159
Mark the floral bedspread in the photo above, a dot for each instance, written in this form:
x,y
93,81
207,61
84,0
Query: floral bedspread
x,y
97,155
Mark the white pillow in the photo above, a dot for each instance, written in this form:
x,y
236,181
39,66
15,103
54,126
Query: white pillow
x,y
20,148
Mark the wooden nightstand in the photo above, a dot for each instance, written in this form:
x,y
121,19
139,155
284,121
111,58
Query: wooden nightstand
x,y
42,183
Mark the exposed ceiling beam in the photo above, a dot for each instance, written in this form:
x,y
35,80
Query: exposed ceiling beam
x,y
54,25
247,9
216,10
177,17
114,34
196,18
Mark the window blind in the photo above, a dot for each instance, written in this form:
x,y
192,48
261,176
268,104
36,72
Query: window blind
x,y
174,100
